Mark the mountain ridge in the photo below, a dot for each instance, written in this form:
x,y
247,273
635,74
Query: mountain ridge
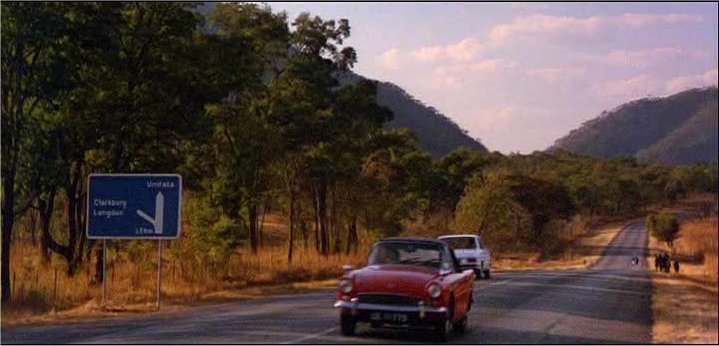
x,y
676,129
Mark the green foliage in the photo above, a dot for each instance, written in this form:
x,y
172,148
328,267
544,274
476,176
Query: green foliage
x,y
489,208
664,227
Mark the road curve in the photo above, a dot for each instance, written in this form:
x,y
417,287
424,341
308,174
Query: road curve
x,y
610,303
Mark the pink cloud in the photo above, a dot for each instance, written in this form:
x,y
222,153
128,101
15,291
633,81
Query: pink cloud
x,y
631,88
649,57
389,60
459,74
465,50
554,75
542,26
429,54
707,78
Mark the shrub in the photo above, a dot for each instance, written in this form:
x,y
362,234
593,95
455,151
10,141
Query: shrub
x,y
664,227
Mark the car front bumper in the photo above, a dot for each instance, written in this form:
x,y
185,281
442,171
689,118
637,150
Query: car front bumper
x,y
392,314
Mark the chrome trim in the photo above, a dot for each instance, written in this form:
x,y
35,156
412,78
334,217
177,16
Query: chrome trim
x,y
354,306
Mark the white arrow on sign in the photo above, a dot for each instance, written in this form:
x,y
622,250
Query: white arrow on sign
x,y
157,221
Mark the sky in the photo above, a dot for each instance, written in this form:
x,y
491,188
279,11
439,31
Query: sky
x,y
518,76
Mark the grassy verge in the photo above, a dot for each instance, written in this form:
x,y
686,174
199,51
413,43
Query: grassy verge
x,y
44,292
685,304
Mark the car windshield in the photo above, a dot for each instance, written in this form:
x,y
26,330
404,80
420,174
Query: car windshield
x,y
460,243
427,255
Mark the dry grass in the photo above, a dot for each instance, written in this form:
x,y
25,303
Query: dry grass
x,y
131,281
685,305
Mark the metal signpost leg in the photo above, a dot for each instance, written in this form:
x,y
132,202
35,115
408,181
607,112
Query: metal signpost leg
x,y
104,262
159,271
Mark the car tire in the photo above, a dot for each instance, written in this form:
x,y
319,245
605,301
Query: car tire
x,y
347,325
445,326
461,326
487,274
477,274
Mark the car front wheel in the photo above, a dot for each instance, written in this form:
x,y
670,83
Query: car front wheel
x,y
444,328
347,325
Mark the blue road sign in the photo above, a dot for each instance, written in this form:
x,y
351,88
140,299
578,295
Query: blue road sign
x,y
134,206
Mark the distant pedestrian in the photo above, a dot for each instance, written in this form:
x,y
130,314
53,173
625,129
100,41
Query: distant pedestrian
x,y
667,263
676,266
657,259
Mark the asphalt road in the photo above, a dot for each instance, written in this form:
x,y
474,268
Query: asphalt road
x,y
611,303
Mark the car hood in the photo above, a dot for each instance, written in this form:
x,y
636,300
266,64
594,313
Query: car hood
x,y
394,279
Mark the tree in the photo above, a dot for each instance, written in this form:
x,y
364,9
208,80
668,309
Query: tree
x,y
664,227
38,45
488,208
244,143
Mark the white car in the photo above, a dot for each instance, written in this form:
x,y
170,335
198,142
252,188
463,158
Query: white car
x,y
470,251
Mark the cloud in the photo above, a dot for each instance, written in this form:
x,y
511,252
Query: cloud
x,y
546,26
649,57
460,74
390,59
681,83
464,50
429,54
631,88
644,85
554,75
539,26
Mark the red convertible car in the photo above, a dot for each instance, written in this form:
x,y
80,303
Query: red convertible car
x,y
407,282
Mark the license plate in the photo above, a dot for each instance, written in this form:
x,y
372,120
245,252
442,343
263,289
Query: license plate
x,y
389,317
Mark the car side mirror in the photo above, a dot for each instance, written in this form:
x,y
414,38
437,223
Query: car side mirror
x,y
347,267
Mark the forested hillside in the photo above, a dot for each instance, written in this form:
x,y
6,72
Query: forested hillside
x,y
436,133
677,129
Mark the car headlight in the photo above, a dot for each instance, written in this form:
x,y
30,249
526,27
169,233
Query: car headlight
x,y
434,290
346,286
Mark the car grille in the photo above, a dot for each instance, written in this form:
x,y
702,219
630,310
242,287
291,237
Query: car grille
x,y
387,299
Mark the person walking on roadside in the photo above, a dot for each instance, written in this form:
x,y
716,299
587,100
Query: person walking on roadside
x,y
657,260
676,266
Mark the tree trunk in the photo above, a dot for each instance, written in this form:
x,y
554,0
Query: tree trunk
x,y
322,209
72,206
46,209
253,227
265,210
8,218
292,227
335,222
303,227
99,275
352,236
316,216
32,226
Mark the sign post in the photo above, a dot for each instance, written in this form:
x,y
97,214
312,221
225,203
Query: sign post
x,y
134,206
159,271
104,272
